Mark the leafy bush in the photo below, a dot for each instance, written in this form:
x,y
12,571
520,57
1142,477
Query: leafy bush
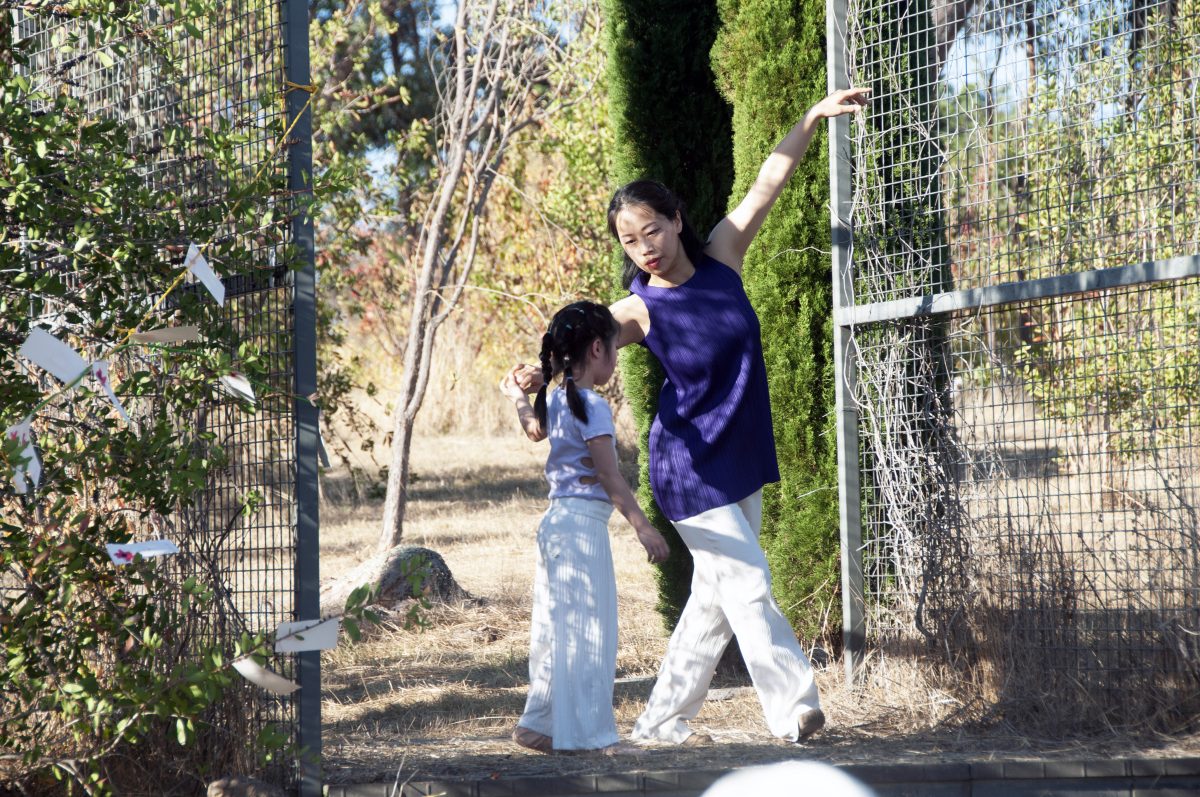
x,y
100,663
669,124
770,62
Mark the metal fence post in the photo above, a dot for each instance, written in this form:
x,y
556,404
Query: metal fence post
x,y
845,372
307,432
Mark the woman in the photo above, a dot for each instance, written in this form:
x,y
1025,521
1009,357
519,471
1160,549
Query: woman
x,y
711,444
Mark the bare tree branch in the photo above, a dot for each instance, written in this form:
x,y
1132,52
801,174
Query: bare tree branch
x,y
507,71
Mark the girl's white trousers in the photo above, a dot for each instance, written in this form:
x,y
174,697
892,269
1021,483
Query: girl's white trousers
x,y
573,639
731,596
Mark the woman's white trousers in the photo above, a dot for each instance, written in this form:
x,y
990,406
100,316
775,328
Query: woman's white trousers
x,y
573,639
731,596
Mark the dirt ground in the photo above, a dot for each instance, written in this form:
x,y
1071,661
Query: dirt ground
x,y
439,702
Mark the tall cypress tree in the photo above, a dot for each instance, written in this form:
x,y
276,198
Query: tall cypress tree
x,y
670,124
770,63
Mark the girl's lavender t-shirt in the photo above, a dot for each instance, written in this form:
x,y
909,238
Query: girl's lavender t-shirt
x,y
711,443
565,468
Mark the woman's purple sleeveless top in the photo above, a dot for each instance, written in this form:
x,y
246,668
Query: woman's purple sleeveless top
x,y
711,442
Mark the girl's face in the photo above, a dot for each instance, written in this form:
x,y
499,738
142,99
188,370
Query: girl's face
x,y
650,239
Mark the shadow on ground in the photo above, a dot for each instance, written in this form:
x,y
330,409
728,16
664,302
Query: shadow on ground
x,y
460,487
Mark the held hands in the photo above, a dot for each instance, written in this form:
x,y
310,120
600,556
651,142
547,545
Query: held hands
x,y
655,544
840,103
510,387
527,377
525,413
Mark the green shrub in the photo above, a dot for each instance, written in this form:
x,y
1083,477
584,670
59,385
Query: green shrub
x,y
669,124
770,62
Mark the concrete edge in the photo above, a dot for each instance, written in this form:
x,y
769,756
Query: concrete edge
x,y
1149,776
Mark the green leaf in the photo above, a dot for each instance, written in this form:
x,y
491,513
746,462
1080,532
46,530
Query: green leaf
x,y
352,629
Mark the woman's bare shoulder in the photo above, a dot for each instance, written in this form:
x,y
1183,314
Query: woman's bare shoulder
x,y
633,318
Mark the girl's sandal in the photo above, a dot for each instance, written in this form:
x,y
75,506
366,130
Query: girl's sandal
x,y
532,740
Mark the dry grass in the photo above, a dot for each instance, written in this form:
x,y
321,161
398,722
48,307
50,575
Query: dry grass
x,y
443,700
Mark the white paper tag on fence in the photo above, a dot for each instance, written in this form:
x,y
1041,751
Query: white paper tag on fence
x,y
305,635
322,453
100,371
196,264
259,675
25,476
238,386
52,354
167,335
123,553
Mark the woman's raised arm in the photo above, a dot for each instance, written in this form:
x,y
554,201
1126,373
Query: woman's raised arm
x,y
731,238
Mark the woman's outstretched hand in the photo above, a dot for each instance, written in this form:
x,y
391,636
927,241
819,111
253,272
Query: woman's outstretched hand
x,y
840,103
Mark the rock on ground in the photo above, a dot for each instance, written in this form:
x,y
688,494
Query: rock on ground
x,y
391,571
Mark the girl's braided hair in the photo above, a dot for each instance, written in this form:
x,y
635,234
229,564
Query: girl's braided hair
x,y
566,344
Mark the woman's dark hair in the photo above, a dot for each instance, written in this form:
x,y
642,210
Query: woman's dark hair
x,y
565,345
661,200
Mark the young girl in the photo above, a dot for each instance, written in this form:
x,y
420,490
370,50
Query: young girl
x,y
573,641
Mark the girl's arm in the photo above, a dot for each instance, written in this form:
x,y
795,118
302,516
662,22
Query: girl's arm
x,y
525,414
604,459
730,239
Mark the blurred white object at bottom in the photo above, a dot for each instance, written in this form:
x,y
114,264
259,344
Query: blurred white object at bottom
x,y
789,779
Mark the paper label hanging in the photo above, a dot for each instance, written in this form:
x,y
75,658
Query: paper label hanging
x,y
322,453
197,265
305,635
260,676
167,335
26,475
52,354
100,371
238,386
124,553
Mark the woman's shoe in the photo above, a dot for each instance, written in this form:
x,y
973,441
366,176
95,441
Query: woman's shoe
x,y
532,740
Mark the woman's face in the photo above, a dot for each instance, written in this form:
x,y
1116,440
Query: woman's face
x,y
650,239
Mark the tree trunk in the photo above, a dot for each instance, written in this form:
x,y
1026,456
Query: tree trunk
x,y
485,99
416,358
397,483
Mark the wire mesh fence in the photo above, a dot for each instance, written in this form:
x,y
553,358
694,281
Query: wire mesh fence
x,y
221,73
1021,306
1047,138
